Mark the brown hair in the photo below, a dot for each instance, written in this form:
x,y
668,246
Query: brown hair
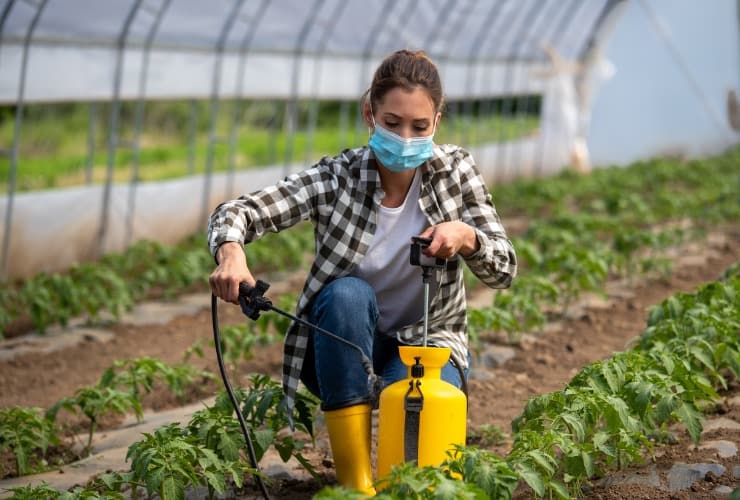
x,y
407,69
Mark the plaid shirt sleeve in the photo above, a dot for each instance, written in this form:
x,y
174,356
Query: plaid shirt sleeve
x,y
272,209
495,263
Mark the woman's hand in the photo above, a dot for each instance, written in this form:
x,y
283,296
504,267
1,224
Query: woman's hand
x,y
449,239
231,270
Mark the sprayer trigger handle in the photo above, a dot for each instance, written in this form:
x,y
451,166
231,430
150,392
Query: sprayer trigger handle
x,y
252,300
257,290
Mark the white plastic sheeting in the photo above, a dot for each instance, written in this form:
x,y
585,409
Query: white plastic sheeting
x,y
258,46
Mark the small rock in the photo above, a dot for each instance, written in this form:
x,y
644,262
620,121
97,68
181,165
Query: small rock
x,y
720,423
521,378
527,341
644,478
682,476
545,359
725,449
496,355
722,490
736,472
480,374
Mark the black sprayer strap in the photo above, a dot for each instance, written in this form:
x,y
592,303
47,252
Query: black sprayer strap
x,y
413,406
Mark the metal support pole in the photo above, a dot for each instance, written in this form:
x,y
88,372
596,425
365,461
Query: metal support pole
x,y
215,88
474,58
113,131
139,118
454,21
237,111
313,109
292,108
17,124
373,37
527,16
192,135
92,120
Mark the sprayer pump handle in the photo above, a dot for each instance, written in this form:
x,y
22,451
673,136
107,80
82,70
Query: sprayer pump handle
x,y
415,257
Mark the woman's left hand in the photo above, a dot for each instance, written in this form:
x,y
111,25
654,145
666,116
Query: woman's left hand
x,y
449,239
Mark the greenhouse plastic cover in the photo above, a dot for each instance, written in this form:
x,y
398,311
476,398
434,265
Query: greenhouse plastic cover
x,y
263,48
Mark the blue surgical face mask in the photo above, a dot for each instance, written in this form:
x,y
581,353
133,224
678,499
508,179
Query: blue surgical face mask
x,y
398,154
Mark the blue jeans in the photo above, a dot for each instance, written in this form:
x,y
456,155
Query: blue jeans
x,y
331,370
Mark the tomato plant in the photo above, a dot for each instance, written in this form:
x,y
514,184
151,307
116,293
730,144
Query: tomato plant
x,y
24,431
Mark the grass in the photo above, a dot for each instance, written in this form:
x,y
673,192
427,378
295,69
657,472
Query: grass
x,y
53,147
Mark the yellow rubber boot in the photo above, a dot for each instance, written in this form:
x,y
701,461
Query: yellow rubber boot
x,y
349,435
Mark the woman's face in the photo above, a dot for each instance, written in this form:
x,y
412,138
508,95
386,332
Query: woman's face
x,y
406,113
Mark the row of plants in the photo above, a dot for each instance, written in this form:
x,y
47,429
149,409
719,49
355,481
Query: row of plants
x,y
614,223
147,269
28,433
612,413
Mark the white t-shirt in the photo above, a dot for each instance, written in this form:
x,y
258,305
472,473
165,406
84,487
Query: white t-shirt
x,y
398,285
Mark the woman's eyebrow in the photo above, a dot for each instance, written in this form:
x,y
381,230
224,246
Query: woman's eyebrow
x,y
398,117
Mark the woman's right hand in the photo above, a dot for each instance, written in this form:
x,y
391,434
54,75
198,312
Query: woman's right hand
x,y
231,270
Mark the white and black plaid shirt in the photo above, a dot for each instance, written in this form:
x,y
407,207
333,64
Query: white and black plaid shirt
x,y
340,196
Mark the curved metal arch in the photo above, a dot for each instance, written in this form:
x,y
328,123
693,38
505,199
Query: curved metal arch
x,y
114,123
474,57
220,47
245,46
367,52
456,30
139,116
529,17
398,29
313,109
292,107
17,124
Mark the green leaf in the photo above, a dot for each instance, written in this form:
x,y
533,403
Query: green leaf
x,y
216,480
544,460
691,418
263,439
559,488
532,478
172,489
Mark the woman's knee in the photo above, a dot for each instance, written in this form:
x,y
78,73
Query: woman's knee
x,y
349,290
350,295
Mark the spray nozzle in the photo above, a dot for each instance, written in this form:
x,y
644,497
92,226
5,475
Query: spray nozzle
x,y
252,299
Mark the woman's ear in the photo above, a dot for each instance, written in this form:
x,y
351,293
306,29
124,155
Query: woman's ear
x,y
367,113
437,119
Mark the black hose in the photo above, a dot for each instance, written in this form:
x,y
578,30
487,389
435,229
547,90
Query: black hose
x,y
463,379
240,417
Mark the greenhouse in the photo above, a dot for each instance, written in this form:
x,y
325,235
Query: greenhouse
x,y
607,134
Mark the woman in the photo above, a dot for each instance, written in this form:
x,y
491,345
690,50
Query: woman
x,y
365,205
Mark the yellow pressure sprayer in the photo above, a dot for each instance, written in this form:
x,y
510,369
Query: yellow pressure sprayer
x,y
422,417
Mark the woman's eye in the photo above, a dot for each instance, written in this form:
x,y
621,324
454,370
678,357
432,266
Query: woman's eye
x,y
391,124
420,129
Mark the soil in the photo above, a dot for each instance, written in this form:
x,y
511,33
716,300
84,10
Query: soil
x,y
593,330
